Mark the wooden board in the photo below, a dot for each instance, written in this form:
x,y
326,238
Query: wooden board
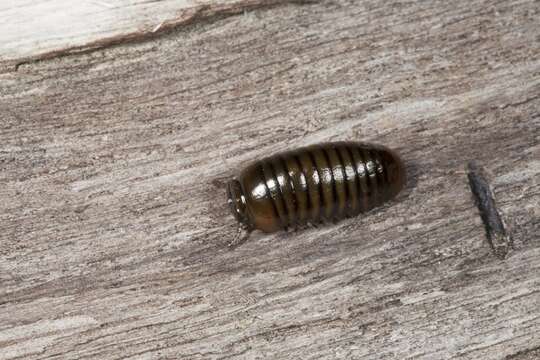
x,y
112,200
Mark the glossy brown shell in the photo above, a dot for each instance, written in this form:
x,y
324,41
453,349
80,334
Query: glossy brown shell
x,y
319,183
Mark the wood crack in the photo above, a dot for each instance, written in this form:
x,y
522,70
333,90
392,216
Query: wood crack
x,y
496,233
187,17
532,353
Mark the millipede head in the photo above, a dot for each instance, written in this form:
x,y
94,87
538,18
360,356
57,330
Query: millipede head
x,y
237,203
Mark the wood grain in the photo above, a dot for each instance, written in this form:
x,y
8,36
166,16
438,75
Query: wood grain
x,y
113,213
33,30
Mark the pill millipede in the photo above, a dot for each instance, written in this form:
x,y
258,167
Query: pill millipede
x,y
316,184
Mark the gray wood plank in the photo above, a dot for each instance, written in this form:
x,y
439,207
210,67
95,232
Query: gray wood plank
x,y
113,212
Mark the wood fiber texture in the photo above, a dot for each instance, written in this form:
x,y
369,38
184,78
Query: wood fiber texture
x,y
40,29
114,222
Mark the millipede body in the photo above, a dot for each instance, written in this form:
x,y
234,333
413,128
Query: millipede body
x,y
319,183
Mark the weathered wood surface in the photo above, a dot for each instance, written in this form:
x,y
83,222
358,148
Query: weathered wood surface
x,y
114,222
42,29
